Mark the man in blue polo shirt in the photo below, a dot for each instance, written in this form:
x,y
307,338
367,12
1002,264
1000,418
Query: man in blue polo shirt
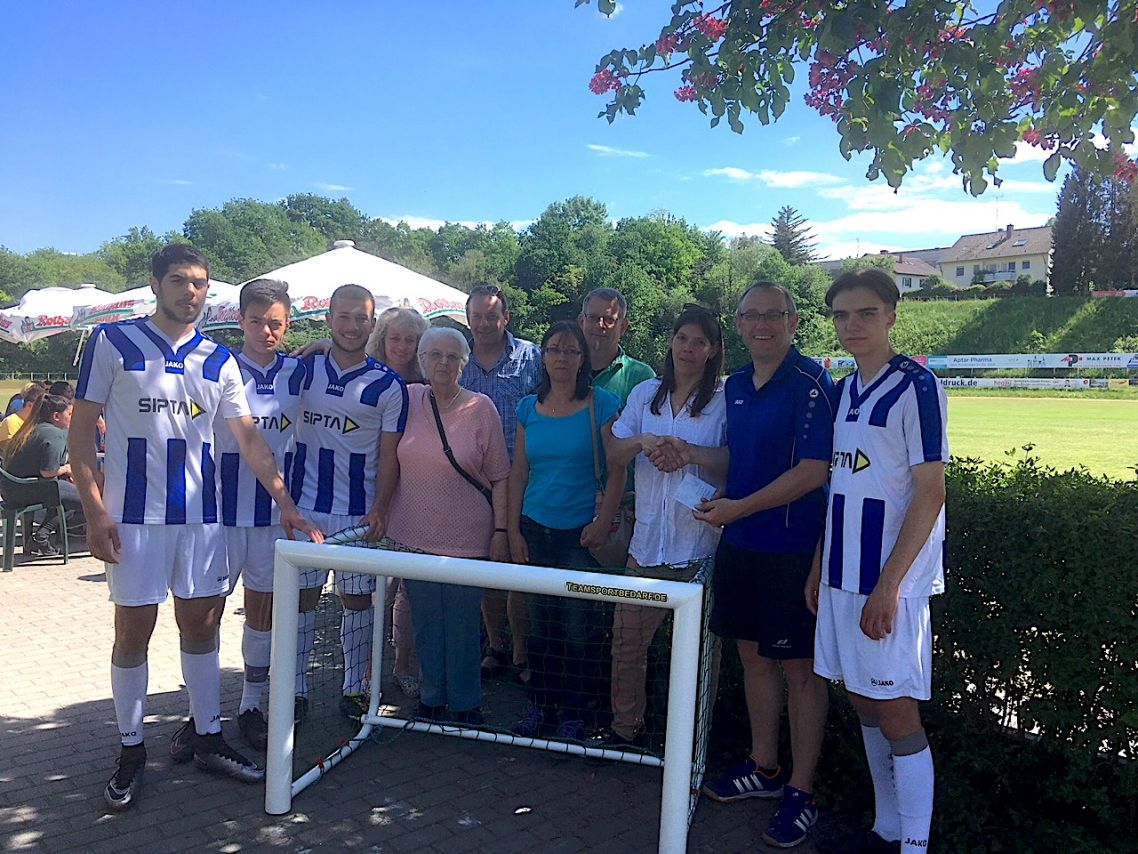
x,y
780,427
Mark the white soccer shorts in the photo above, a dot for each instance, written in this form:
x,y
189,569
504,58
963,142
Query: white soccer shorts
x,y
350,583
186,560
900,665
252,552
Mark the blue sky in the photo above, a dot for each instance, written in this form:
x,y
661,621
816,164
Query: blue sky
x,y
129,113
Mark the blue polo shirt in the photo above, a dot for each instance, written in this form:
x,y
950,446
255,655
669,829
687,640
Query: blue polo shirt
x,y
769,430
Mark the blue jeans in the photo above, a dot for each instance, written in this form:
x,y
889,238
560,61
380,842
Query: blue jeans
x,y
447,619
567,645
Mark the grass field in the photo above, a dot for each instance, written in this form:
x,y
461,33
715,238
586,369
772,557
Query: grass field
x,y
1099,434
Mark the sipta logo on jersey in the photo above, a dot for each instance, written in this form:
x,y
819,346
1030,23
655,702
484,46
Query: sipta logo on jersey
x,y
856,461
331,422
272,422
158,405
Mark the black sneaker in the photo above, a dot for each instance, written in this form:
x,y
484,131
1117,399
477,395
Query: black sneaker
x,y
212,753
254,728
182,743
41,548
123,788
353,706
468,717
430,713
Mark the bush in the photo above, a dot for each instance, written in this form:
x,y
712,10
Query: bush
x,y
1034,717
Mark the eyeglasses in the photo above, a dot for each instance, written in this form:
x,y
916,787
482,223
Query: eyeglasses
x,y
557,352
439,356
603,319
762,316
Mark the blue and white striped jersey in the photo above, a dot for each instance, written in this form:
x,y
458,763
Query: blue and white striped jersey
x,y
880,432
274,402
160,398
342,414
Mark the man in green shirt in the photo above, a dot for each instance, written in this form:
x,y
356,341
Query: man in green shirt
x,y
604,319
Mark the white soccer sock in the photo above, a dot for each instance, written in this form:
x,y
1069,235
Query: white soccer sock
x,y
887,823
128,687
255,649
355,637
305,641
202,674
216,643
913,775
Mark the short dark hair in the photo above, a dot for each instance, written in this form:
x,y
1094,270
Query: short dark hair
x,y
264,292
488,291
584,373
62,388
763,284
608,295
176,253
872,279
352,292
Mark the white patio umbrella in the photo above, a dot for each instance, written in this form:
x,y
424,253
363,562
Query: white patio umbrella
x,y
46,311
138,302
312,281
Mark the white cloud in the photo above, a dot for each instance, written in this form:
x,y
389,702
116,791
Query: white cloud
x,y
331,188
779,180
791,140
617,10
177,182
836,250
609,151
732,172
278,167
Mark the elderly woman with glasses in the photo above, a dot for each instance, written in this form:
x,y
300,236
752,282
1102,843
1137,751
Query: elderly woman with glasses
x,y
554,521
454,505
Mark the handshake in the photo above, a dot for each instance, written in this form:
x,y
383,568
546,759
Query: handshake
x,y
667,453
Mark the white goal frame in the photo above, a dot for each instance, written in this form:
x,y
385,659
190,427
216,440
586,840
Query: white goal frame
x,y
683,598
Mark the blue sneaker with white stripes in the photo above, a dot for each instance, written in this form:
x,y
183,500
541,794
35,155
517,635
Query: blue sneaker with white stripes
x,y
795,816
746,780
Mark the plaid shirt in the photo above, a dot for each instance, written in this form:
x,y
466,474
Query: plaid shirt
x,y
515,374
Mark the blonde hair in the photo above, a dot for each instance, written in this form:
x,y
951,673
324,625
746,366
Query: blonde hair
x,y
406,318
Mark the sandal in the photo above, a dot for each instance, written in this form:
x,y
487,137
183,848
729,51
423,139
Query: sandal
x,y
495,663
409,685
522,674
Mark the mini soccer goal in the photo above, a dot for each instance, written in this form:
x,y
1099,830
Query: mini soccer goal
x,y
679,706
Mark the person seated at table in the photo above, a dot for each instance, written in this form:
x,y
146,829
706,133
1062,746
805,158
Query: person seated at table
x,y
39,450
11,424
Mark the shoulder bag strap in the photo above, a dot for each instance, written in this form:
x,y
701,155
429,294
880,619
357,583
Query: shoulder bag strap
x,y
593,433
473,481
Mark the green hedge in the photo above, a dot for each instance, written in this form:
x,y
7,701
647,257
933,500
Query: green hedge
x,y
1034,717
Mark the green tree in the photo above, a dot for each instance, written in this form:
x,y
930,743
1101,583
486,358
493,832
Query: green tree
x,y
247,238
906,81
334,219
1078,236
882,260
129,255
50,267
569,234
792,237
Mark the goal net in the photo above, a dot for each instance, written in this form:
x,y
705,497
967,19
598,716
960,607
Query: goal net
x,y
675,696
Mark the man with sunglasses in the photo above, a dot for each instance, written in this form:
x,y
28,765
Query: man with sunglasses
x,y
780,428
505,369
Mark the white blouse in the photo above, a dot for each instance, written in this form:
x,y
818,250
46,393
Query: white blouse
x,y
665,531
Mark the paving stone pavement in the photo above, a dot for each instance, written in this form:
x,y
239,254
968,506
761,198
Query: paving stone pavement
x,y
404,792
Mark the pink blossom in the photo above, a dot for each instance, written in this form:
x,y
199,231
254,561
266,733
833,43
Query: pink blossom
x,y
686,93
710,26
604,81
667,43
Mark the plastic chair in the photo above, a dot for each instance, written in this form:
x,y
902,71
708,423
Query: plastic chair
x,y
13,508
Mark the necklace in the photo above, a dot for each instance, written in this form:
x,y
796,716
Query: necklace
x,y
449,402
